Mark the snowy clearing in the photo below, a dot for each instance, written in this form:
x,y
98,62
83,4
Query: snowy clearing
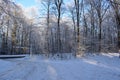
x,y
92,67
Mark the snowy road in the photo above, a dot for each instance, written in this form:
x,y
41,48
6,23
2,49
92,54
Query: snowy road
x,y
82,69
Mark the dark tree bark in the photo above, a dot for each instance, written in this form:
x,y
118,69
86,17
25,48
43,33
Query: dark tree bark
x,y
116,7
58,4
78,8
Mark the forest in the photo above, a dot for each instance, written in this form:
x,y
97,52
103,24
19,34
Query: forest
x,y
78,27
59,39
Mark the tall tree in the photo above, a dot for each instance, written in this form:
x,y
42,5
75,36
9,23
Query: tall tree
x,y
58,4
47,4
116,7
78,8
101,8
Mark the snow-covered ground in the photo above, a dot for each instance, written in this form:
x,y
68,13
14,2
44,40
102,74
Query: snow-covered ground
x,y
92,67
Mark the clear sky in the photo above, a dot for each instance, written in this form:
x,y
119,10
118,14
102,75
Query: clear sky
x,y
29,3
26,3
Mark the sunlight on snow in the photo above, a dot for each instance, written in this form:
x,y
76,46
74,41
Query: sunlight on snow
x,y
52,73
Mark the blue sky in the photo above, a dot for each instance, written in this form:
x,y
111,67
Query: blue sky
x,y
31,7
29,3
26,3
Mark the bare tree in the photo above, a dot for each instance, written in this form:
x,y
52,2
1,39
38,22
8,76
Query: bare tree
x,y
116,7
58,4
101,8
79,8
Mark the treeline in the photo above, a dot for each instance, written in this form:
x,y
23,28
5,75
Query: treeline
x,y
79,26
14,28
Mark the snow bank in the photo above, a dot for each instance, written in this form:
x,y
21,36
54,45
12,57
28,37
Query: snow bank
x,y
11,56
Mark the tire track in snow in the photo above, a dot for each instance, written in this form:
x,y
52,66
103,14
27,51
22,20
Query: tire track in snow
x,y
18,72
10,70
